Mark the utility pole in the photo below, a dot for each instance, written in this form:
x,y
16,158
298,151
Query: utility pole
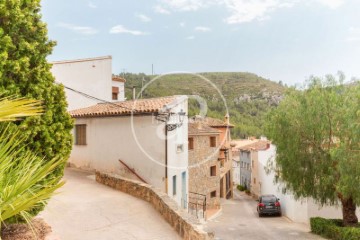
x,y
123,71
152,69
142,86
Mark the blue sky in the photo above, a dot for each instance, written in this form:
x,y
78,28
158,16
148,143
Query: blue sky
x,y
286,40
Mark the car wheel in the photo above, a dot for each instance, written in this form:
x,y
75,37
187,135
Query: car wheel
x,y
279,214
260,215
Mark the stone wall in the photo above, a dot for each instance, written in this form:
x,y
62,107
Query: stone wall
x,y
201,159
187,226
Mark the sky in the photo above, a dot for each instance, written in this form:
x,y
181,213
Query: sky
x,y
281,40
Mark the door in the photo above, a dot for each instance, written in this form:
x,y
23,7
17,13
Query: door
x,y
183,189
222,187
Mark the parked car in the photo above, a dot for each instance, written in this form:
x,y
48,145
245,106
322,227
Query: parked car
x,y
269,204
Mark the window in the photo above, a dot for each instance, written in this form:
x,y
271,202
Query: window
x,y
212,141
80,134
179,148
115,92
174,185
213,194
213,171
191,143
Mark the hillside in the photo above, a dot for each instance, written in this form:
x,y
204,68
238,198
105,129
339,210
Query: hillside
x,y
247,95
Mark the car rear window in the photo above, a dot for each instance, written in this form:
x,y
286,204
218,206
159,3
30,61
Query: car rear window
x,y
268,199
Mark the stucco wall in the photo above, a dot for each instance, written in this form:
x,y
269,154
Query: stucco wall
x,y
178,160
111,138
300,210
245,174
90,76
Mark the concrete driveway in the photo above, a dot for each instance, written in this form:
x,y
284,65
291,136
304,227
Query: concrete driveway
x,y
239,220
87,210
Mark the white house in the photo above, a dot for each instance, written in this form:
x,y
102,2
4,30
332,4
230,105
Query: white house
x,y
88,81
300,210
145,138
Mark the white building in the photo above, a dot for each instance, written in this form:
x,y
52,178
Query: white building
x,y
88,81
300,210
150,143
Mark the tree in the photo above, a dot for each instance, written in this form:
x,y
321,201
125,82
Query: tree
x,y
22,173
25,72
317,135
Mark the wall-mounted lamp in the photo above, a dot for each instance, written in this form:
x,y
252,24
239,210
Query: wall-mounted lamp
x,y
173,126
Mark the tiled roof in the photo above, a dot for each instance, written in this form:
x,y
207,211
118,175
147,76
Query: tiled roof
x,y
212,122
118,79
151,105
257,145
198,128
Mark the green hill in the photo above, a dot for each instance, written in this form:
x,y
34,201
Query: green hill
x,y
247,95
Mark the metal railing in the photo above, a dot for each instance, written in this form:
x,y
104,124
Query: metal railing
x,y
196,205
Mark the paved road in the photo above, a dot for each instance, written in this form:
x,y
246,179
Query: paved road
x,y
86,210
239,220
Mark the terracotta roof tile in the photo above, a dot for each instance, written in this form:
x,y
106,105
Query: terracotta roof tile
x,y
198,128
256,145
151,105
118,79
212,122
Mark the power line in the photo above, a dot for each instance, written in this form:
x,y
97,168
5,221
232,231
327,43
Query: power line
x,y
95,98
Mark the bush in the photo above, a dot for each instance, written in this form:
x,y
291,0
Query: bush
x,y
241,188
333,229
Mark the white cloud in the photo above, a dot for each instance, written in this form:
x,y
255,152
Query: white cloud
x,y
182,24
187,5
92,5
121,29
79,29
354,35
242,11
190,37
202,29
332,3
143,17
249,10
160,9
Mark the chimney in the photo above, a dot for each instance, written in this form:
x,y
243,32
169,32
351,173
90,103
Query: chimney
x,y
134,93
227,119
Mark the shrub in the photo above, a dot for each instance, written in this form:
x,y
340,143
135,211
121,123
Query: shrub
x,y
333,229
241,188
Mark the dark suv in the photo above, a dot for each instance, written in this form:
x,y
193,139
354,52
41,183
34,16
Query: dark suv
x,y
268,204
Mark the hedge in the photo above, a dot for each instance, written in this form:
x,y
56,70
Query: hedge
x,y
333,229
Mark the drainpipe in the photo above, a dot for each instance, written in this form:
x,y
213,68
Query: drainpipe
x,y
166,158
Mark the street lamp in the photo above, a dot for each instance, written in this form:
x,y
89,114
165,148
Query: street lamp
x,y
173,126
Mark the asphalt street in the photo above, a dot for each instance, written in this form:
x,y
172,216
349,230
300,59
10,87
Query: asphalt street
x,y
239,220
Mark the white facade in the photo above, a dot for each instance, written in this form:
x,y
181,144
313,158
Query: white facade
x,y
300,210
236,171
91,76
140,143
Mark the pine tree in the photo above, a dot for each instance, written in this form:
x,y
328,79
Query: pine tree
x,y
25,72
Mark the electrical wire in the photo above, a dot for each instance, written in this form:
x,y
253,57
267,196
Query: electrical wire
x,y
95,98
